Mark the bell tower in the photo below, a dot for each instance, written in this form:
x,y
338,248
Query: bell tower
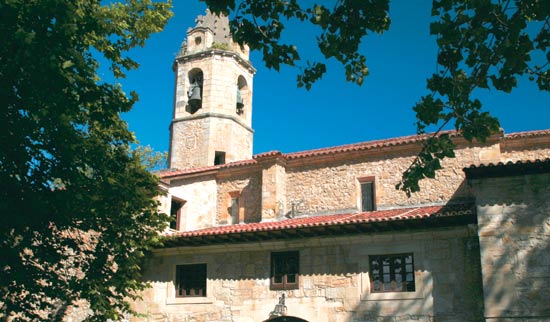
x,y
213,98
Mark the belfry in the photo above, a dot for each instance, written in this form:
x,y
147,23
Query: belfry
x,y
213,98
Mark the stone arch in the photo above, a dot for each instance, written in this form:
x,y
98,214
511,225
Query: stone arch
x,y
243,93
285,319
195,91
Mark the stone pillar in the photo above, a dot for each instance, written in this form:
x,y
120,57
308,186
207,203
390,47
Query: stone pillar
x,y
273,185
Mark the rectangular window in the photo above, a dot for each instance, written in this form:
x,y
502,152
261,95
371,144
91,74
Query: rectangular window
x,y
175,214
191,280
367,196
234,210
284,270
392,273
219,157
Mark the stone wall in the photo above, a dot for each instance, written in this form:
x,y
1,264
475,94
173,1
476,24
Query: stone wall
x,y
200,197
334,187
275,188
186,149
334,282
247,187
514,234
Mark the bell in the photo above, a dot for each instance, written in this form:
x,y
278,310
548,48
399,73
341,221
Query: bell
x,y
195,95
240,103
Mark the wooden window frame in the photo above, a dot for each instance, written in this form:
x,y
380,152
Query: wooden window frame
x,y
285,259
363,181
376,274
195,274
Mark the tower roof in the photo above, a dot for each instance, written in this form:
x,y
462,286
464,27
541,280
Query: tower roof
x,y
219,24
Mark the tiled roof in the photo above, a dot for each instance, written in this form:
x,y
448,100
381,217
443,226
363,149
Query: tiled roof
x,y
369,145
365,145
501,169
176,172
318,223
527,134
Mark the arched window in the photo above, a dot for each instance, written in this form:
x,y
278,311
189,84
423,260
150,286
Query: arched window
x,y
242,95
194,94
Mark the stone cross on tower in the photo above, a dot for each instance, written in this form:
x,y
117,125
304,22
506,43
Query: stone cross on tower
x,y
213,98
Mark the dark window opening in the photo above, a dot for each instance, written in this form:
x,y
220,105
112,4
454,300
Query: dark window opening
x,y
219,157
284,270
367,196
392,273
175,214
191,280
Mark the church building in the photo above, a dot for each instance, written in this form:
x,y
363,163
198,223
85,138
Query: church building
x,y
323,235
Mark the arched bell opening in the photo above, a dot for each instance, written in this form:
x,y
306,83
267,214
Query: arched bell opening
x,y
194,94
285,319
242,95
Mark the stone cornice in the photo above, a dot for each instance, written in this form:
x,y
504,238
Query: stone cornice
x,y
215,115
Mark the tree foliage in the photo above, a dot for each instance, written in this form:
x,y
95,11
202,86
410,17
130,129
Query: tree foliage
x,y
77,209
483,44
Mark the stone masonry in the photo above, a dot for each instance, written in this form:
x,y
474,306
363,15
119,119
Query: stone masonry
x,y
334,280
334,285
514,234
493,265
195,136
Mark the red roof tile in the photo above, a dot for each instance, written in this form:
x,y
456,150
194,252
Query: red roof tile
x,y
338,149
365,145
393,215
521,135
501,169
177,172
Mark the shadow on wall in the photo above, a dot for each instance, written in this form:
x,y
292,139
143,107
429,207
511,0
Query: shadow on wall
x,y
514,230
334,278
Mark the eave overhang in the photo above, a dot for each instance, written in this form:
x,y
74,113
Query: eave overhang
x,y
393,220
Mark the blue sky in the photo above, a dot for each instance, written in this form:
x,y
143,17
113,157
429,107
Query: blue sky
x,y
333,112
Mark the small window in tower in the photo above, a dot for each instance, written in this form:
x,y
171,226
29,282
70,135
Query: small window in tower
x,y
198,40
219,157
175,213
367,199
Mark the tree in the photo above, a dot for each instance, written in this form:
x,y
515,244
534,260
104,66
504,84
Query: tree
x,y
77,206
483,44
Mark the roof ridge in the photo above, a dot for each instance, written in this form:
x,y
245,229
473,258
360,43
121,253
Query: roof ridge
x,y
358,146
522,134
